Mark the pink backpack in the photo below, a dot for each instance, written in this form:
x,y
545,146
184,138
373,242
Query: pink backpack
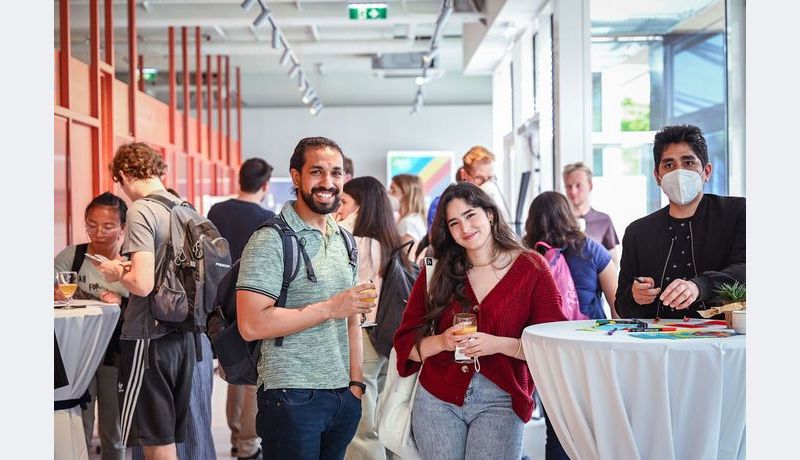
x,y
570,305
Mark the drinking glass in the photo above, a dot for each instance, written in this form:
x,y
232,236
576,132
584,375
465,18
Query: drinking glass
x,y
470,322
364,321
67,284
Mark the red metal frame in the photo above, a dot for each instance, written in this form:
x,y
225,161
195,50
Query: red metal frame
x,y
132,53
220,156
198,89
209,111
228,109
185,87
239,114
86,110
172,96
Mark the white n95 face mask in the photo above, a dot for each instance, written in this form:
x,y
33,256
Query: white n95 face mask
x,y
395,203
681,186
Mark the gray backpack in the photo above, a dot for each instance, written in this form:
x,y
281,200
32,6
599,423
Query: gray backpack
x,y
186,278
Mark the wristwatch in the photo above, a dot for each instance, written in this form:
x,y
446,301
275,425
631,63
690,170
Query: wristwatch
x,y
355,383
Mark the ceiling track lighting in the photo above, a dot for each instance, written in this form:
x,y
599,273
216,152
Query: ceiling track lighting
x,y
276,36
278,40
429,57
307,95
262,17
286,56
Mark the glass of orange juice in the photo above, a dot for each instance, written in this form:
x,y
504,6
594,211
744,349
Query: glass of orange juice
x,y
470,322
373,297
67,284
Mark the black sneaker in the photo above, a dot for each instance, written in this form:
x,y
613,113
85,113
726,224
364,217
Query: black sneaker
x,y
255,456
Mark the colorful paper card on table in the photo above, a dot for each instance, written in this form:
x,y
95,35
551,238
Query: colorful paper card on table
x,y
683,335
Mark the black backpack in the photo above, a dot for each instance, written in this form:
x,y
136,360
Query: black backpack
x,y
395,289
186,278
238,357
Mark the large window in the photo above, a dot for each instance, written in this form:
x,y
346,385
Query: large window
x,y
654,64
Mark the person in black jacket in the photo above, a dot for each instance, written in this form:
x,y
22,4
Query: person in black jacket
x,y
675,258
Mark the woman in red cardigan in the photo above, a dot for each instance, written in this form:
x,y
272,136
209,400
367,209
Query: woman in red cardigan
x,y
475,410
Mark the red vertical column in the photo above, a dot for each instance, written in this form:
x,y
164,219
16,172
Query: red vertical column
x,y
172,91
227,110
220,155
108,12
209,95
198,89
239,115
132,54
185,87
66,50
94,92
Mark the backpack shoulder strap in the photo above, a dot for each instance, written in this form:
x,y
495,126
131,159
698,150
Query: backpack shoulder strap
x,y
164,201
351,246
80,255
292,251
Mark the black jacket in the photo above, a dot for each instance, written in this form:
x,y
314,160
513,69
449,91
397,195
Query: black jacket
x,y
718,226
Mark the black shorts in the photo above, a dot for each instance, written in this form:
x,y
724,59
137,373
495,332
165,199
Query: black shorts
x,y
154,402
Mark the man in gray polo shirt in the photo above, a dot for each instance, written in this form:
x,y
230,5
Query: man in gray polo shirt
x,y
309,387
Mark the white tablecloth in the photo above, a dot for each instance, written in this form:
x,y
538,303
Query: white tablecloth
x,y
83,335
621,397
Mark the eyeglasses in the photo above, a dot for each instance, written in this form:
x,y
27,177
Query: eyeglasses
x,y
93,228
480,180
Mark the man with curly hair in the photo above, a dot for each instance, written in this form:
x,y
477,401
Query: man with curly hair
x,y
156,362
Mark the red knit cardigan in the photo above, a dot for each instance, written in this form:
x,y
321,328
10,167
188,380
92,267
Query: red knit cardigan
x,y
526,295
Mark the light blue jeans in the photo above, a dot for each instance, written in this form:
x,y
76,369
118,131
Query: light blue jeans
x,y
484,427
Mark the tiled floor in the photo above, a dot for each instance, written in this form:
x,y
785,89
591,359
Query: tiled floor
x,y
533,443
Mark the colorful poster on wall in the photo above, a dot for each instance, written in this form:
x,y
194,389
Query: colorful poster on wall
x,y
434,168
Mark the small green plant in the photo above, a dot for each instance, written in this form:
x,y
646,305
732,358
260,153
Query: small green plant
x,y
736,292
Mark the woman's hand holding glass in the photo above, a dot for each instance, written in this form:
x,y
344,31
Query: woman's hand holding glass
x,y
481,344
450,337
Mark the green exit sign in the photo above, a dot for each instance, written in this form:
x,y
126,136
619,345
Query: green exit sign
x,y
367,11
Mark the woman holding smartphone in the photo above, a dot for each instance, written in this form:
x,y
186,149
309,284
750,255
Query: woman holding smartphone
x,y
474,409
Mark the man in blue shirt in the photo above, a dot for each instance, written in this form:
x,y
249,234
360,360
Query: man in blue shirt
x,y
237,219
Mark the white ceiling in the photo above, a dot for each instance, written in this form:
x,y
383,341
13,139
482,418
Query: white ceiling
x,y
334,52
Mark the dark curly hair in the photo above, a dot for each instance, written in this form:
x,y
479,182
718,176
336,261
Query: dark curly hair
x,y
137,160
677,134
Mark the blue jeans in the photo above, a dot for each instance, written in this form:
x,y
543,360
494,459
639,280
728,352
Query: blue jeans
x,y
484,427
306,423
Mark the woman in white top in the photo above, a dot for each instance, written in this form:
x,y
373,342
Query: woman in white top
x,y
377,238
407,191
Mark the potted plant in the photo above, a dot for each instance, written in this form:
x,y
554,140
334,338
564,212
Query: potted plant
x,y
735,297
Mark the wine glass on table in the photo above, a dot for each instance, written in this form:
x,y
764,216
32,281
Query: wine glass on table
x,y
68,285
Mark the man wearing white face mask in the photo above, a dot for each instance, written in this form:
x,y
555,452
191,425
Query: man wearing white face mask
x,y
675,258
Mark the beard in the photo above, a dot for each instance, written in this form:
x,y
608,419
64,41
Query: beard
x,y
321,208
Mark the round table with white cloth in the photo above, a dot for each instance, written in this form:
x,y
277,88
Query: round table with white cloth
x,y
83,335
621,397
